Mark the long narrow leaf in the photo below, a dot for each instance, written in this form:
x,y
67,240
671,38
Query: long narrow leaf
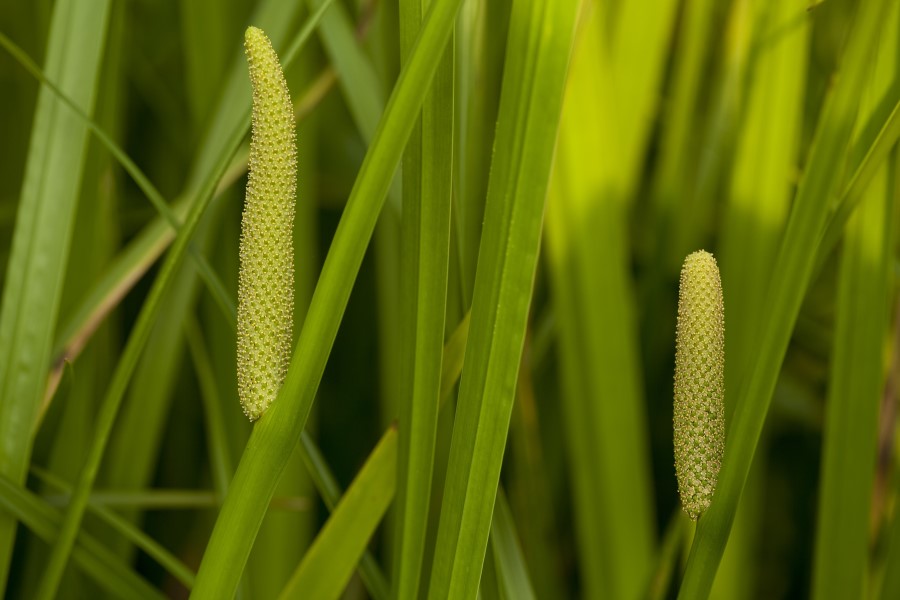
x,y
540,43
425,253
328,488
791,275
330,561
850,434
96,560
274,435
851,427
206,272
110,407
152,241
755,215
679,145
40,248
221,462
759,198
480,43
602,398
364,94
511,571
151,547
136,342
878,148
638,52
357,73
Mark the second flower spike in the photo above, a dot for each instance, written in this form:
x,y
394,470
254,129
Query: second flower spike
x,y
699,411
266,277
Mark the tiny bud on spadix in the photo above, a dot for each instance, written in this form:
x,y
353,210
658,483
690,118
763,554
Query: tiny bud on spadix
x,y
266,276
699,411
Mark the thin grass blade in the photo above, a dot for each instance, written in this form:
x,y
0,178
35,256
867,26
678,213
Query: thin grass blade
x,y
326,484
791,276
851,426
152,241
171,563
454,356
221,463
143,182
138,436
363,89
38,258
679,144
331,559
113,398
538,50
480,44
204,29
756,212
364,95
602,399
850,433
136,342
639,49
274,436
424,264
512,574
89,554
759,197
877,151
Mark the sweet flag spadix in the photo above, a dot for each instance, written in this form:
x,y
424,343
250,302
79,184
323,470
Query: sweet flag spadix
x,y
266,278
699,411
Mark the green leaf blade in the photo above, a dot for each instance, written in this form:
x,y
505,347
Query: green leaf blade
x,y
850,433
329,562
787,287
89,553
425,253
540,42
40,246
274,436
601,392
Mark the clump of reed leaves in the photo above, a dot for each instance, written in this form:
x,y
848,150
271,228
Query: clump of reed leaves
x,y
494,200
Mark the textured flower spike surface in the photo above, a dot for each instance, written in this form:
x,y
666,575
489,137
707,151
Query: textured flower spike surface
x,y
266,279
699,382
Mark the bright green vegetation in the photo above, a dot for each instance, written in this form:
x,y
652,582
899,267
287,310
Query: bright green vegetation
x,y
477,395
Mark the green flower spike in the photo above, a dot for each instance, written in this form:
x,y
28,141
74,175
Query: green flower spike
x,y
266,278
699,382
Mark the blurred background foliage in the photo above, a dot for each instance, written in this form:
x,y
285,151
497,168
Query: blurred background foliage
x,y
687,124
